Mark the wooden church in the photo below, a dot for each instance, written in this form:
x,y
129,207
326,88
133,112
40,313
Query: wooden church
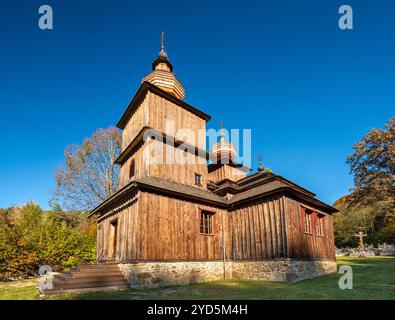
x,y
206,219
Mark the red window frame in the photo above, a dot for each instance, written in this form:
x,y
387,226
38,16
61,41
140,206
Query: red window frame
x,y
307,225
319,230
211,226
315,218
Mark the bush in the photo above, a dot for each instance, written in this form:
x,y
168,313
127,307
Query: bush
x,y
31,237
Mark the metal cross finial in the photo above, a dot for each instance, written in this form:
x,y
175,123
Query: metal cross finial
x,y
260,167
162,40
222,131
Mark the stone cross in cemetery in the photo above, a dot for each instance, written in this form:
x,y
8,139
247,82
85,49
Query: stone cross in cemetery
x,y
361,235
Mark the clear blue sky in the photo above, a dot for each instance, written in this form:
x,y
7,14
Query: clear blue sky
x,y
307,90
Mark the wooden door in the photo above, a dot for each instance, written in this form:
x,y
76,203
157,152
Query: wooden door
x,y
114,240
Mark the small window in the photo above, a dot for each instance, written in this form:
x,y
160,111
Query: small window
x,y
131,169
198,179
319,225
307,224
206,222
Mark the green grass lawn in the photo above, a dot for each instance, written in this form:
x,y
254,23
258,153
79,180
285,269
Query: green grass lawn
x,y
374,278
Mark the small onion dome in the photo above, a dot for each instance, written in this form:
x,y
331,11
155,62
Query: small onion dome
x,y
260,167
162,75
223,150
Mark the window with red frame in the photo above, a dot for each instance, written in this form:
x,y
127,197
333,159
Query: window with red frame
x,y
307,221
319,225
206,222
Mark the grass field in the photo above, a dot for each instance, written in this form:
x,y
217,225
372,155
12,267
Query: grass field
x,y
374,278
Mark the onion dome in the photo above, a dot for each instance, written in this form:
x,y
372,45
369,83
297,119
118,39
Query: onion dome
x,y
162,74
223,151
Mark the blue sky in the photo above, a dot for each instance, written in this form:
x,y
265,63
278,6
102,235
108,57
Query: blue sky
x,y
307,89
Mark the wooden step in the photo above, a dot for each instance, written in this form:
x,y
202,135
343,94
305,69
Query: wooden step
x,y
90,284
76,275
91,279
94,274
89,276
103,265
87,272
95,289
96,269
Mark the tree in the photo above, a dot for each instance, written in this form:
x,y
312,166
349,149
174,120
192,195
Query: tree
x,y
371,205
89,175
373,166
372,219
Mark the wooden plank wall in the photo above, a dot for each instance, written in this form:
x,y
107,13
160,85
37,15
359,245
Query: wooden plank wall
x,y
137,121
161,228
126,211
259,231
183,173
170,230
140,169
162,110
154,111
226,172
308,246
157,227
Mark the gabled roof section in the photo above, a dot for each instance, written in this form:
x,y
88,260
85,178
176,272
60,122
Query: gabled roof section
x,y
140,95
269,186
253,181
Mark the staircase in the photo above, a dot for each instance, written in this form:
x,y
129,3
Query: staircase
x,y
89,277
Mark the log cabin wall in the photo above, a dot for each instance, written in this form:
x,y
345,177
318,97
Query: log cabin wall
x,y
158,152
226,172
162,110
169,230
157,227
308,246
137,120
154,111
259,231
181,166
153,227
140,169
125,213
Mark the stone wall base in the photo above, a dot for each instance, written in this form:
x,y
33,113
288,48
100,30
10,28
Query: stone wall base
x,y
159,274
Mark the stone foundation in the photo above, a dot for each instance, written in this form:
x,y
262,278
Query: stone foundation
x,y
160,274
286,270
